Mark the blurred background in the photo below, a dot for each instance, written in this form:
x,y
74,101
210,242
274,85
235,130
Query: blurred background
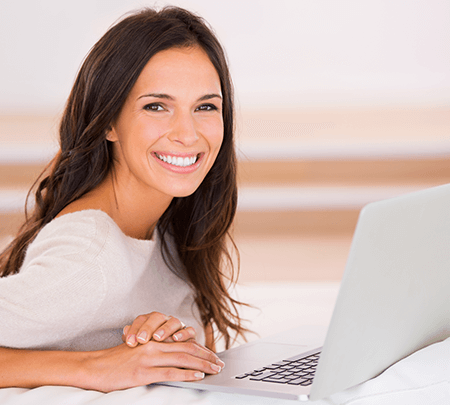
x,y
338,104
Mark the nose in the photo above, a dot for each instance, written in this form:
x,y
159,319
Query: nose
x,y
183,129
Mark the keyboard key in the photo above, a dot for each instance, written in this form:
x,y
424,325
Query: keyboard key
x,y
299,368
300,374
306,383
272,367
277,377
276,380
262,376
287,367
298,381
282,363
291,377
297,363
256,373
303,367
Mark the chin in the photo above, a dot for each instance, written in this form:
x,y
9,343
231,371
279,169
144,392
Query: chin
x,y
179,189
183,192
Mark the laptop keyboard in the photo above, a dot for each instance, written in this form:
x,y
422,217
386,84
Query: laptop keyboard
x,y
297,370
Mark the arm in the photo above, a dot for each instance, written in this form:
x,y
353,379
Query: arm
x,y
124,366
33,368
106,370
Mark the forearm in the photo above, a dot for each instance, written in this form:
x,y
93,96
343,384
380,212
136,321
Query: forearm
x,y
110,369
34,368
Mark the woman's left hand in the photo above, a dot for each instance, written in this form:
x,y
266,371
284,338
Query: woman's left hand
x,y
158,327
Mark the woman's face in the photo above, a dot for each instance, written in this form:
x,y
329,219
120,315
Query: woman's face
x,y
170,129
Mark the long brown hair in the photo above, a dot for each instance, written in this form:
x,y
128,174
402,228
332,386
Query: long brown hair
x,y
199,223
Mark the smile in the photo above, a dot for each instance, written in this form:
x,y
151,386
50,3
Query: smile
x,y
177,160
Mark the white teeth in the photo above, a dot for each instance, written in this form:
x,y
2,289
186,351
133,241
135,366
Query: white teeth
x,y
178,161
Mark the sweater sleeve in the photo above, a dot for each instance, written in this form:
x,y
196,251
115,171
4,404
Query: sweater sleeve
x,y
59,288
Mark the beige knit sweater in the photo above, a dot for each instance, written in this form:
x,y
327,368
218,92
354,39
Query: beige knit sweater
x,y
82,281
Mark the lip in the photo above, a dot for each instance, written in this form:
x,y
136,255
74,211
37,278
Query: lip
x,y
179,169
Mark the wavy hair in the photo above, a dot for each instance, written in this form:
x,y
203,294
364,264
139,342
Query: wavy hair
x,y
200,223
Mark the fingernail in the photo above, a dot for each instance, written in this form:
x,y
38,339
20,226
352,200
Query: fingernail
x,y
220,363
177,337
199,375
215,367
142,336
159,334
131,341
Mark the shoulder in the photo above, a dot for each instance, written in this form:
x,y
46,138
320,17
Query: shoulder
x,y
80,234
61,284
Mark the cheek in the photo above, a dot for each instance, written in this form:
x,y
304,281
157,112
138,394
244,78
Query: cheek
x,y
147,134
157,130
215,135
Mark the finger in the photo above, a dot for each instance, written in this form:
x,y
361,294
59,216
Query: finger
x,y
170,340
184,334
199,354
160,374
187,361
212,352
130,335
143,327
125,332
170,327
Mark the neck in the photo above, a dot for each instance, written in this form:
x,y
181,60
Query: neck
x,y
135,211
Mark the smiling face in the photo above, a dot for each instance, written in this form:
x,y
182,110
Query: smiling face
x,y
170,128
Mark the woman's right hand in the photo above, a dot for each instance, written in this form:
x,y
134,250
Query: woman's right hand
x,y
124,367
156,326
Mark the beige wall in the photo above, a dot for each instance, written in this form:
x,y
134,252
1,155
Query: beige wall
x,y
339,104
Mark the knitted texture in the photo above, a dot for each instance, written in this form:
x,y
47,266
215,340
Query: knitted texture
x,y
82,281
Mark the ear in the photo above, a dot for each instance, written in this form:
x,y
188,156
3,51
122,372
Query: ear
x,y
111,134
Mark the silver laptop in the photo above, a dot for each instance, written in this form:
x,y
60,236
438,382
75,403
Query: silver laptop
x,y
394,300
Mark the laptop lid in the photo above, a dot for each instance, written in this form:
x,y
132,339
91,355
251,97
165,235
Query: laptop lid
x,y
394,298
393,301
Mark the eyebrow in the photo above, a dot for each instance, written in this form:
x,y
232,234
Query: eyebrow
x,y
167,97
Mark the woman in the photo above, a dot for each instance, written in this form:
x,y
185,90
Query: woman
x,y
131,219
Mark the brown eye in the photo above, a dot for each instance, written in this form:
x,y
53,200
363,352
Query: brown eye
x,y
153,107
207,107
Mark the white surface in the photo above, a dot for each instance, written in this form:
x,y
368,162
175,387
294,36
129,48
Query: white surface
x,y
421,379
283,53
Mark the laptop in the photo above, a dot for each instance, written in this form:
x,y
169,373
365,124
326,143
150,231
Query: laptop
x,y
394,300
